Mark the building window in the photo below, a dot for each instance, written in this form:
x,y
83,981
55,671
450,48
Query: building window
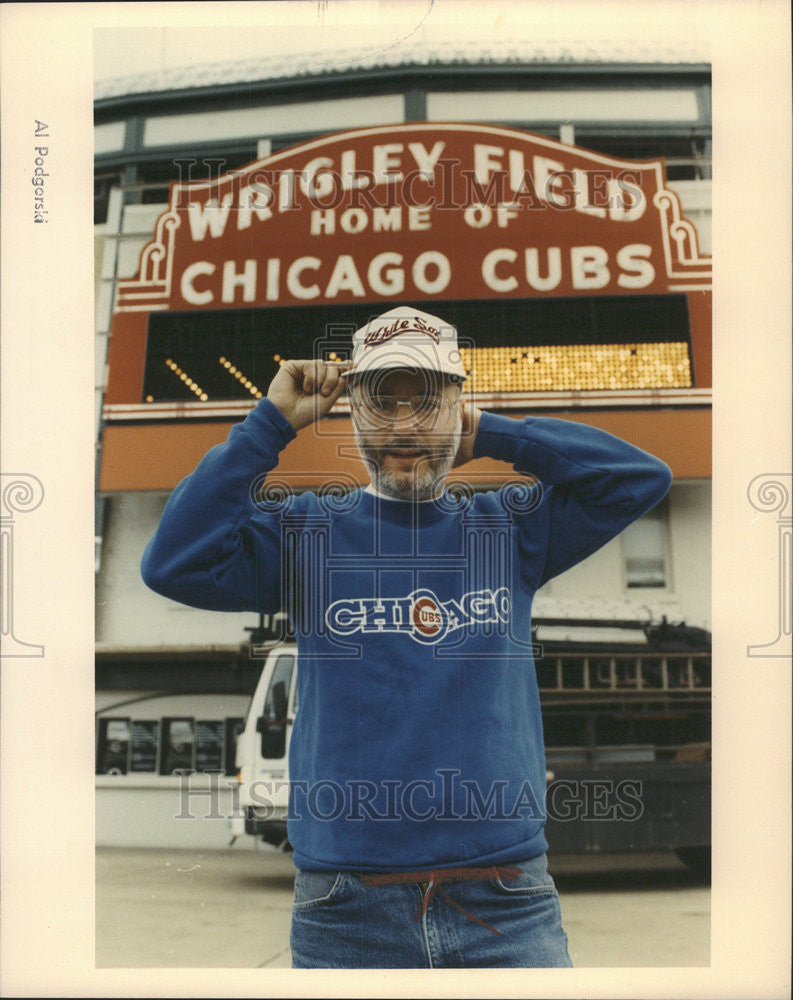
x,y
154,178
686,156
110,137
103,185
613,105
645,548
145,744
112,750
209,746
167,746
309,117
178,739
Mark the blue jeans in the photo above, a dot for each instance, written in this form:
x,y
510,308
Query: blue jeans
x,y
341,922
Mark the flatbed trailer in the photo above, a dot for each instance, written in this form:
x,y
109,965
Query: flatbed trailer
x,y
628,748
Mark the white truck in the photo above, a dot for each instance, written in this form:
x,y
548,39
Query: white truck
x,y
263,745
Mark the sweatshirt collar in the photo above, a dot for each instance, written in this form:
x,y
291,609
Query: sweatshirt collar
x,y
415,512
371,488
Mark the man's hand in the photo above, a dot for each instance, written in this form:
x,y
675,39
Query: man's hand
x,y
471,417
304,391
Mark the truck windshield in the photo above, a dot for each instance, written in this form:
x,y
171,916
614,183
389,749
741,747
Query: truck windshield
x,y
273,721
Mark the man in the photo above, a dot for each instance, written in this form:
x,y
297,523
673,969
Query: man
x,y
416,762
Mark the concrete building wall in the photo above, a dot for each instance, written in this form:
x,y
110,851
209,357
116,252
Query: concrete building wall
x,y
601,579
690,513
166,810
187,813
128,614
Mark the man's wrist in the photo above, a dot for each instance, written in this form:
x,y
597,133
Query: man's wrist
x,y
273,414
497,437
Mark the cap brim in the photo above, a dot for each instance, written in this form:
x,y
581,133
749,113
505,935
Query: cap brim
x,y
411,357
403,366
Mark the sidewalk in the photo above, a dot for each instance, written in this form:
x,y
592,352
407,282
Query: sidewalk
x,y
166,908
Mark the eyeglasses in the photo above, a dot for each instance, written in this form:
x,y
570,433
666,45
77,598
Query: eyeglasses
x,y
381,411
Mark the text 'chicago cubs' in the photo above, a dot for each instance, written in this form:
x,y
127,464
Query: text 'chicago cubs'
x,y
421,614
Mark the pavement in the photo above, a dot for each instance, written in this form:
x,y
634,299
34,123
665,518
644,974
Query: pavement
x,y
180,908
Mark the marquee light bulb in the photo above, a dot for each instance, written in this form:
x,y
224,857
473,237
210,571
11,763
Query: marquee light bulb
x,y
191,384
240,375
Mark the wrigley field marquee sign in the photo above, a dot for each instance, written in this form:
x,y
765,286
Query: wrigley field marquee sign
x,y
510,235
415,212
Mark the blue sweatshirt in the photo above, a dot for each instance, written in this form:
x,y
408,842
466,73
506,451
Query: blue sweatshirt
x,y
418,740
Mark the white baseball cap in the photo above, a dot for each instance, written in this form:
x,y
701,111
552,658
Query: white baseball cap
x,y
406,337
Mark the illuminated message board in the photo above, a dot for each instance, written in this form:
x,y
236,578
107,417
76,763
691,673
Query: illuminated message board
x,y
527,345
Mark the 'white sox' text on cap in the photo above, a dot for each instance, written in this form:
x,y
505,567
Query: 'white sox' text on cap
x,y
406,337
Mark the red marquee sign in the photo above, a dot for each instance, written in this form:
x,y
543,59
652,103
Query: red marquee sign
x,y
418,212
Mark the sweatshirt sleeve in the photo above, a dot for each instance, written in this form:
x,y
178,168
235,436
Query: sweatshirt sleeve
x,y
214,548
593,484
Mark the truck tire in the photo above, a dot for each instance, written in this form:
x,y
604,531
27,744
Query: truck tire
x,y
697,859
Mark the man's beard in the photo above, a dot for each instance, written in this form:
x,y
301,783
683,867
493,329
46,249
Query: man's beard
x,y
429,471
